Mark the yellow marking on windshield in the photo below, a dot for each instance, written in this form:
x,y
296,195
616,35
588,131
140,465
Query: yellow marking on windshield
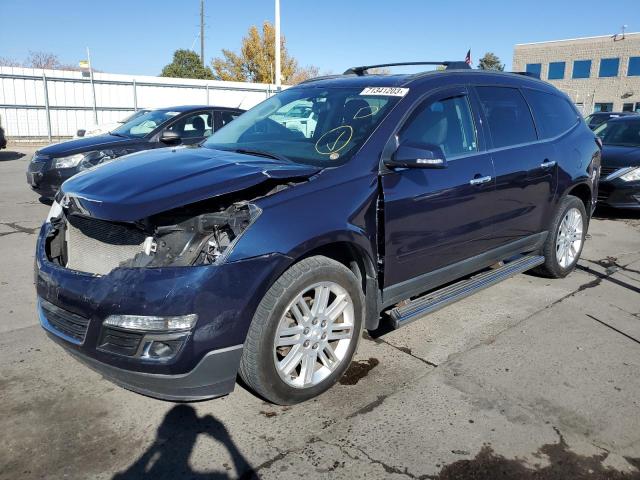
x,y
334,144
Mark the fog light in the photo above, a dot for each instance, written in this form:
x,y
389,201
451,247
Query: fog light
x,y
149,323
162,349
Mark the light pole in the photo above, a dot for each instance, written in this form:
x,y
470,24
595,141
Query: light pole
x,y
277,44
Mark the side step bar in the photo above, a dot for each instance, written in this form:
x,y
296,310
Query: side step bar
x,y
438,299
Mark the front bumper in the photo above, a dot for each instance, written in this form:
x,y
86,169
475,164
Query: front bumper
x,y
619,194
46,181
224,297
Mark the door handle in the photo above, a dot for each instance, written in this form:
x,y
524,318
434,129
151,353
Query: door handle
x,y
480,180
548,164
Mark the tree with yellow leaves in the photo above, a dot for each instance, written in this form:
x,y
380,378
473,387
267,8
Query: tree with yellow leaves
x,y
256,60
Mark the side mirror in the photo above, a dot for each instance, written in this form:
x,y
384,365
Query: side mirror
x,y
410,155
170,138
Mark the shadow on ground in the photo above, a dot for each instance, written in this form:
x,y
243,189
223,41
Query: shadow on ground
x,y
563,465
607,213
6,155
168,457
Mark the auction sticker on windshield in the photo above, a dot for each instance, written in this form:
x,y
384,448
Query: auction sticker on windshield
x,y
386,91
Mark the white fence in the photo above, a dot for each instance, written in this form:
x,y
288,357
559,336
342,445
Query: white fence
x,y
37,103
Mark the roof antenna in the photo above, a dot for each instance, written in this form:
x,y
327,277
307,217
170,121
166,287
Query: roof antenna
x,y
620,36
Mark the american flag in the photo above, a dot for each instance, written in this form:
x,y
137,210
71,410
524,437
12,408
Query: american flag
x,y
467,59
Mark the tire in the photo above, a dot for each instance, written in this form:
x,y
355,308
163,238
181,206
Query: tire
x,y
556,264
276,373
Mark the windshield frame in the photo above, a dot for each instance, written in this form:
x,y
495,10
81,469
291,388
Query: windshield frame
x,y
282,147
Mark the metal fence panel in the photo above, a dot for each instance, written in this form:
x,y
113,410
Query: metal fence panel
x,y
37,103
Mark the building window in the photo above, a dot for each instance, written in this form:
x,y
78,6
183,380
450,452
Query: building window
x,y
603,107
556,70
627,107
535,69
582,69
609,67
634,67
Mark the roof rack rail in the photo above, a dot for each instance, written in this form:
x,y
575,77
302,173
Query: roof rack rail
x,y
360,71
528,74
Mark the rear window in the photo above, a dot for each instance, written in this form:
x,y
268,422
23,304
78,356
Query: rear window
x,y
554,115
508,116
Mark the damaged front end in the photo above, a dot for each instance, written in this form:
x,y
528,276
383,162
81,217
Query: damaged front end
x,y
200,234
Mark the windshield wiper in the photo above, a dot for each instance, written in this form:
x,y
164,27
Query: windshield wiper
x,y
118,135
261,153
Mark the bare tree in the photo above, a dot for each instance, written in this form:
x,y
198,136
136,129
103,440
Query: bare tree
x,y
9,62
46,60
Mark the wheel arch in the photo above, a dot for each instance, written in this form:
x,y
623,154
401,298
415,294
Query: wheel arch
x,y
584,192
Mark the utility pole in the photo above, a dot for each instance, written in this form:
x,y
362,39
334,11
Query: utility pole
x,y
202,32
277,44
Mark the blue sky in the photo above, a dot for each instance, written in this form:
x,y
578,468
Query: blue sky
x,y
140,36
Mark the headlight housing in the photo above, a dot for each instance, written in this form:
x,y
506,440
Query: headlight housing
x,y
147,323
68,162
632,175
54,211
83,160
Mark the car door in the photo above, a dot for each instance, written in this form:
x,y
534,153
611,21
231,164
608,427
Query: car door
x,y
525,168
193,127
437,217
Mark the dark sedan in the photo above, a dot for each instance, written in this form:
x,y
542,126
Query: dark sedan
x,y
620,171
598,118
186,125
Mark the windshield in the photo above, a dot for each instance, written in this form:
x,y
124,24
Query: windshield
x,y
316,126
130,117
621,133
143,124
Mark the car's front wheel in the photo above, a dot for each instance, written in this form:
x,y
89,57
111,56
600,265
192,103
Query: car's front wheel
x,y
304,332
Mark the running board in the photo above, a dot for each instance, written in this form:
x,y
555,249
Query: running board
x,y
438,299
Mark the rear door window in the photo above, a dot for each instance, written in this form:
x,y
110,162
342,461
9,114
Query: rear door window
x,y
554,115
508,116
447,123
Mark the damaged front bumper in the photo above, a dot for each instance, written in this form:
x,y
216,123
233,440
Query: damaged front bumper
x,y
224,297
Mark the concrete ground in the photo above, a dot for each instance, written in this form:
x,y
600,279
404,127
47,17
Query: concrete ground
x,y
532,378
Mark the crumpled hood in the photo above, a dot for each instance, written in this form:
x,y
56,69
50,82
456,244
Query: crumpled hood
x,y
136,186
85,144
616,156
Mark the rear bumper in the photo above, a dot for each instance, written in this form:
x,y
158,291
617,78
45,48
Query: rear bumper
x,y
619,194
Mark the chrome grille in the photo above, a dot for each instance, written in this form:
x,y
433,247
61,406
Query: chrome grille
x,y
97,246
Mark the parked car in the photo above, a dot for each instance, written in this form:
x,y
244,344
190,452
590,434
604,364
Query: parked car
x,y
620,172
598,118
264,253
3,139
300,117
101,129
185,125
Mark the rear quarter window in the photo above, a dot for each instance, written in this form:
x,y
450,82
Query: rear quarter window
x,y
508,116
554,115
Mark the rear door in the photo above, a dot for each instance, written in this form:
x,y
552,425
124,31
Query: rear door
x,y
436,217
525,168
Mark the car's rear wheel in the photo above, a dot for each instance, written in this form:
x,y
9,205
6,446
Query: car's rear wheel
x,y
304,332
565,241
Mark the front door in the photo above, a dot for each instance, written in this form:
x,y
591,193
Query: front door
x,y
436,217
193,127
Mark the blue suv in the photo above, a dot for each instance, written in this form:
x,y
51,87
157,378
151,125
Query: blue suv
x,y
267,250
